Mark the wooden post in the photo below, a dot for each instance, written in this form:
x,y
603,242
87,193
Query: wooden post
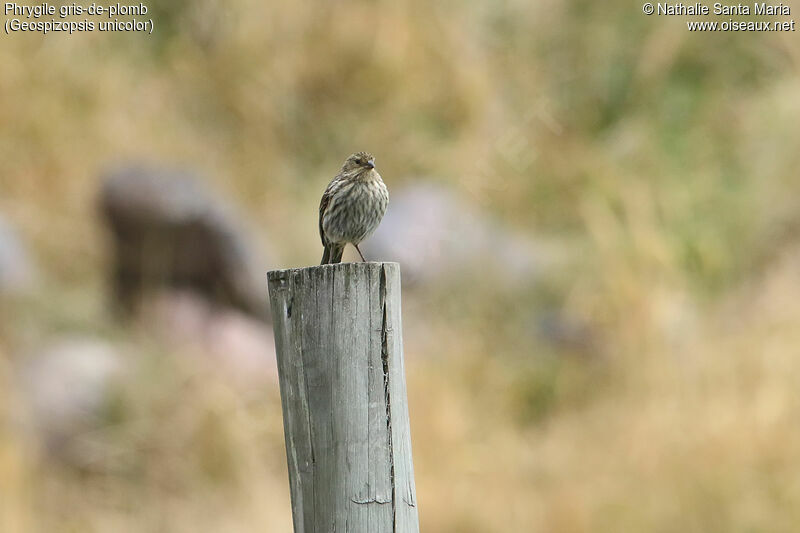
x,y
340,363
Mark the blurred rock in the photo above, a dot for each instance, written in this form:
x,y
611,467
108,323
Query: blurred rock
x,y
168,231
67,386
234,342
570,334
245,346
16,269
433,233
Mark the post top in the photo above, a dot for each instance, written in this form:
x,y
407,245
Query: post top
x,y
343,267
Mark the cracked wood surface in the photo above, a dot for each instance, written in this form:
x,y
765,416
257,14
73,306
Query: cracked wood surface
x,y
340,363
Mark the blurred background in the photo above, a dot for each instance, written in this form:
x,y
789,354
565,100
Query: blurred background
x,y
597,214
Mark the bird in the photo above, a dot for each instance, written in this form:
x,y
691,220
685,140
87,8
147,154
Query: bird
x,y
352,206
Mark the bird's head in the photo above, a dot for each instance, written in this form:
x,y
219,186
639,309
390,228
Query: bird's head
x,y
358,163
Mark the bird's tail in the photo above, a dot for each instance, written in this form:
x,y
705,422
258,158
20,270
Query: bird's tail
x,y
332,254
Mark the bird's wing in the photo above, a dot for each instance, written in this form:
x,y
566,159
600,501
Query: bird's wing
x,y
323,206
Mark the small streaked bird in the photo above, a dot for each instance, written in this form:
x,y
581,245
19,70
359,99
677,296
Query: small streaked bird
x,y
352,206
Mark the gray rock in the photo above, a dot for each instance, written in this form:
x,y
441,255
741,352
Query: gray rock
x,y
16,269
569,334
239,346
67,387
433,233
168,231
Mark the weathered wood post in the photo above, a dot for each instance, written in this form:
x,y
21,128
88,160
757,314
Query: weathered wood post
x,y
339,343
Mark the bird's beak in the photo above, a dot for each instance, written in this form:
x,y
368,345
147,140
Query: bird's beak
x,y
371,164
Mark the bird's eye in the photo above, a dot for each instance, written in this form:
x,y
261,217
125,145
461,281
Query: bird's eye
x,y
358,161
